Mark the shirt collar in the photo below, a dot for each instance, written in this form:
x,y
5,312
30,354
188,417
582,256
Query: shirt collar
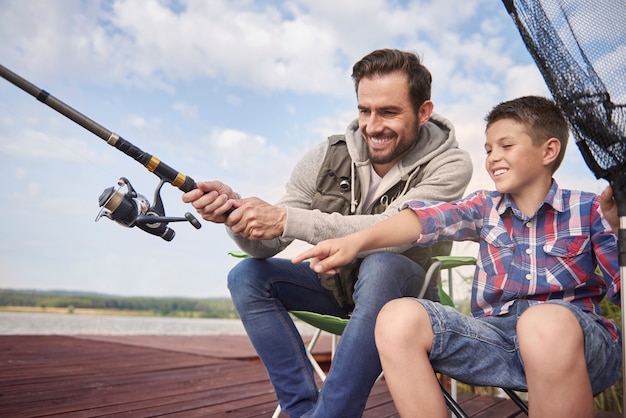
x,y
554,199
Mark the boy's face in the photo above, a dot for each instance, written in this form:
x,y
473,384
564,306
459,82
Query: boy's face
x,y
387,120
513,162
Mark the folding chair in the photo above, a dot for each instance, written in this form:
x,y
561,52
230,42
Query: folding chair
x,y
335,325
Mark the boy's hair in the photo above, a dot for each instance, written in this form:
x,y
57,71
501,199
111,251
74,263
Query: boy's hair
x,y
540,116
386,61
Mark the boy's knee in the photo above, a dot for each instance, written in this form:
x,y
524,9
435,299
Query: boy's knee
x,y
549,327
389,313
401,321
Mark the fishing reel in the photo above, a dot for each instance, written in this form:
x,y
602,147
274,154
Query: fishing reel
x,y
128,208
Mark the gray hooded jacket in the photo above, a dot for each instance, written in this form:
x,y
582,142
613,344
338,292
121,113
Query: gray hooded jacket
x,y
445,169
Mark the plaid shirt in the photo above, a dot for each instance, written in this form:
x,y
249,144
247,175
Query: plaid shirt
x,y
553,254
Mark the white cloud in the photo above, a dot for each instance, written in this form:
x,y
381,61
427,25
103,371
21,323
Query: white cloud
x,y
34,144
186,110
257,48
524,80
137,122
230,140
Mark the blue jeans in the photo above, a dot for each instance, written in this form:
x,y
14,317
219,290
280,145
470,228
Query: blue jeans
x,y
264,290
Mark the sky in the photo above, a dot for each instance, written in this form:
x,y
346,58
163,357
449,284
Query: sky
x,y
229,90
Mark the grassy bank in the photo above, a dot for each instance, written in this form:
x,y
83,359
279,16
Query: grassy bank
x,y
70,310
99,304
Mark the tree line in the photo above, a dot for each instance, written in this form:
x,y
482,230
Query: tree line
x,y
162,306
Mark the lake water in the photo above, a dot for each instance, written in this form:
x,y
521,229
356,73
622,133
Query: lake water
x,y
68,324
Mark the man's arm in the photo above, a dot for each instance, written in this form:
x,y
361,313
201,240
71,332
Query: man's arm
x,y
256,219
252,217
256,226
445,183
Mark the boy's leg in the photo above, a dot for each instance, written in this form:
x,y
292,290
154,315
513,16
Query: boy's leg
x,y
404,337
479,352
552,347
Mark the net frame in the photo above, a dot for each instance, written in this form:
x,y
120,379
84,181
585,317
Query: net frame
x,y
580,50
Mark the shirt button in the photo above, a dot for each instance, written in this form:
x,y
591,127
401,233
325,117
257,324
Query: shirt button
x,y
529,277
528,251
528,224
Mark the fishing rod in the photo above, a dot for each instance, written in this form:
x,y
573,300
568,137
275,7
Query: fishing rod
x,y
122,204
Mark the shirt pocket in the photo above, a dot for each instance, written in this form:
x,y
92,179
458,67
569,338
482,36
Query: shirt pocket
x,y
568,262
496,251
496,261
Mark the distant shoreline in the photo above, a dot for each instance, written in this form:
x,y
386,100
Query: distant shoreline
x,y
77,311
68,302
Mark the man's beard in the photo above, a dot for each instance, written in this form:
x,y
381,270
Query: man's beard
x,y
399,151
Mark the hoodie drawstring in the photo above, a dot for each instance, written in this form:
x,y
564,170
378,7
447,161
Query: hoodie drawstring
x,y
353,202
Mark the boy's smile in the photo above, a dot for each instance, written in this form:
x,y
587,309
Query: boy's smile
x,y
515,164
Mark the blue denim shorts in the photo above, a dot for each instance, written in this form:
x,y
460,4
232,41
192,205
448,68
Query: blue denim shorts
x,y
485,351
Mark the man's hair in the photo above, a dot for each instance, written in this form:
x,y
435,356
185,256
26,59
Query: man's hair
x,y
541,118
386,61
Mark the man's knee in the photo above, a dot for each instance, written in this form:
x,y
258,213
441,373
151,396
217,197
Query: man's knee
x,y
247,277
383,269
384,261
238,274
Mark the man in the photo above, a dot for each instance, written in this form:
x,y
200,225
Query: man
x,y
398,149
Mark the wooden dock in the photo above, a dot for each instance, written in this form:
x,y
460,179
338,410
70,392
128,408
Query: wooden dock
x,y
150,376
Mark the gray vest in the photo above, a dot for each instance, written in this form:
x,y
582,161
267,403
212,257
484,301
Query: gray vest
x,y
333,194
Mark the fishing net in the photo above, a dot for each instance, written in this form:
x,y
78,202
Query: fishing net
x,y
580,49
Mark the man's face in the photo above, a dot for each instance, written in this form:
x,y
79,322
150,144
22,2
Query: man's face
x,y
386,119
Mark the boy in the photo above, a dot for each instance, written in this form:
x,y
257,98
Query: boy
x,y
536,292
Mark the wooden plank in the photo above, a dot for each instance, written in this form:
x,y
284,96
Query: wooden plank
x,y
84,378
222,346
120,381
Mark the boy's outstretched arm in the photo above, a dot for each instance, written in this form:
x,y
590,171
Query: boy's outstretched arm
x,y
327,256
609,208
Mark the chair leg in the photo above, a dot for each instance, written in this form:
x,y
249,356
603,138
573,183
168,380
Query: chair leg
x,y
276,412
453,389
309,354
453,406
518,401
